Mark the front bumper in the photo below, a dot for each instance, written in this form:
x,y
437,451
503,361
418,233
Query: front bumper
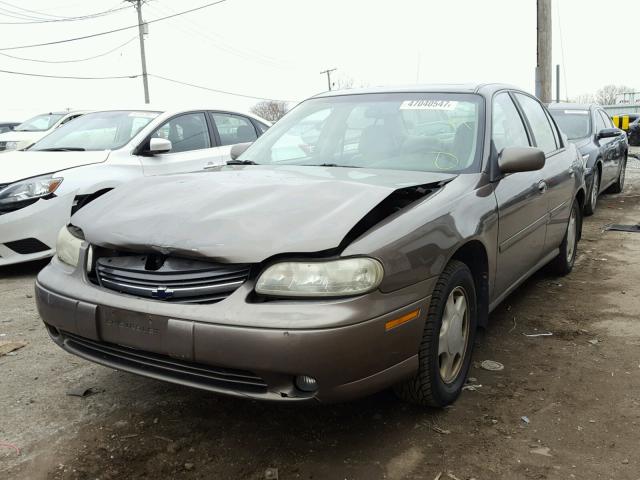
x,y
210,347
30,233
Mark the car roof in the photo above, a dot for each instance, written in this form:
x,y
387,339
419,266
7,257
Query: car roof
x,y
484,88
168,111
573,106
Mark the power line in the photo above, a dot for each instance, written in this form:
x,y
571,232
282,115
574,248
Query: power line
x,y
56,42
74,60
195,29
216,90
36,20
115,77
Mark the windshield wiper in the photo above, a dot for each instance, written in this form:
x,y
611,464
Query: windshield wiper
x,y
333,165
61,149
242,162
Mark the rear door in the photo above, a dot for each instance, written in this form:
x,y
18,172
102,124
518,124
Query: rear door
x,y
193,145
616,146
522,206
558,173
231,129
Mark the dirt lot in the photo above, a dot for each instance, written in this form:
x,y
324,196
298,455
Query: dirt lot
x,y
565,406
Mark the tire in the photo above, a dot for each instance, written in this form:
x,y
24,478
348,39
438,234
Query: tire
x,y
618,186
563,263
590,205
428,387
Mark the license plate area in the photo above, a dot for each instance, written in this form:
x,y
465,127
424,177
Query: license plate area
x,y
132,329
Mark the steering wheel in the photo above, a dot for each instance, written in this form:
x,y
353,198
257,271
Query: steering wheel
x,y
445,160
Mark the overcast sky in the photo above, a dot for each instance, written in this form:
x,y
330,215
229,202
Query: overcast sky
x,y
276,48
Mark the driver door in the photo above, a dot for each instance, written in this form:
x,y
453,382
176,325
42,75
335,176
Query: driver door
x,y
193,146
522,207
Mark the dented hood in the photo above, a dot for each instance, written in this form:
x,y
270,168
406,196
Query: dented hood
x,y
241,214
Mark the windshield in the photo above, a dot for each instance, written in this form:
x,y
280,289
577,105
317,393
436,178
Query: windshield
x,y
40,123
574,123
432,132
97,131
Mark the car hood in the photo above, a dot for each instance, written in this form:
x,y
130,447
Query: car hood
x,y
242,214
19,165
17,136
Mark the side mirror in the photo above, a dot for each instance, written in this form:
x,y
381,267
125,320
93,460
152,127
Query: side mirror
x,y
159,145
520,159
238,149
608,133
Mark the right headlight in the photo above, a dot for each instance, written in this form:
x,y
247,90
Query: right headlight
x,y
333,278
68,246
585,159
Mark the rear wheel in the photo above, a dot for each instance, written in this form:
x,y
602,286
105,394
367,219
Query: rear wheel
x,y
619,185
563,263
447,341
590,206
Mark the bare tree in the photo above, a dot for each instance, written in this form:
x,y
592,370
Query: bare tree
x,y
584,98
272,110
608,94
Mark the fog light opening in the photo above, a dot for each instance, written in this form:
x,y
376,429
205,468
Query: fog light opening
x,y
306,383
53,331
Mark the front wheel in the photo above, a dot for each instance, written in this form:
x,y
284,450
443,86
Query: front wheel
x,y
447,341
590,207
563,263
619,185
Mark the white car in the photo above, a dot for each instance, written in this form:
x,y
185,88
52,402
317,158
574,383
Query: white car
x,y
32,130
41,187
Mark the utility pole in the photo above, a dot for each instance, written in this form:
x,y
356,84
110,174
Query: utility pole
x,y
143,57
543,67
557,83
328,72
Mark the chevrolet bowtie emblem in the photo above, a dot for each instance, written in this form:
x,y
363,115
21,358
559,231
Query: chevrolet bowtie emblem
x,y
162,293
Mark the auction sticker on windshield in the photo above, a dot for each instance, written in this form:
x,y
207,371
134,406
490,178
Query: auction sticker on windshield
x,y
428,105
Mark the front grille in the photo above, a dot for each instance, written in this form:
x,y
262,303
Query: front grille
x,y
27,246
170,279
165,367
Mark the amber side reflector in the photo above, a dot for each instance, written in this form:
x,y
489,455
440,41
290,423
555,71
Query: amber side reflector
x,y
401,320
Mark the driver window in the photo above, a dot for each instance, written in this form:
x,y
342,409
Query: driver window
x,y
186,132
599,122
507,127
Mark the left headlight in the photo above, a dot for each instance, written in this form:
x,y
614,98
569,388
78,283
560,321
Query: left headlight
x,y
68,245
585,159
334,278
29,189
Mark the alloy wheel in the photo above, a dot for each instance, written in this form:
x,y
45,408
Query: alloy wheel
x,y
454,335
594,189
572,234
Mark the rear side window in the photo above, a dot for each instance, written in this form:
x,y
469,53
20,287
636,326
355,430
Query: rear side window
x,y
234,129
507,127
539,123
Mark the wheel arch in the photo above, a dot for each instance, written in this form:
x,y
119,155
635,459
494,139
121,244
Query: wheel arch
x,y
474,255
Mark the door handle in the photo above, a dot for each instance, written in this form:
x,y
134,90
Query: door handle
x,y
542,186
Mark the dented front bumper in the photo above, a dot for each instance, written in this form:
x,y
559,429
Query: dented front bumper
x,y
224,348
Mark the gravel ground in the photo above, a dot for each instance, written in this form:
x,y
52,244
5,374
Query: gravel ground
x,y
565,406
